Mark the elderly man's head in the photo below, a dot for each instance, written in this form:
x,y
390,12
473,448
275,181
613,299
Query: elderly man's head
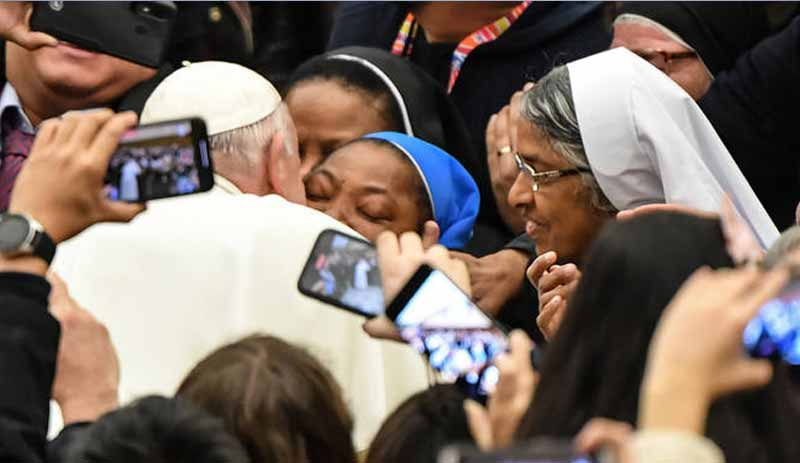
x,y
665,50
690,41
242,154
253,139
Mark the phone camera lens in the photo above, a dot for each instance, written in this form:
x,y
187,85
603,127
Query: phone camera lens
x,y
151,10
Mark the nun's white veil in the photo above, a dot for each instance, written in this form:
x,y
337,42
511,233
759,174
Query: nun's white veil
x,y
647,141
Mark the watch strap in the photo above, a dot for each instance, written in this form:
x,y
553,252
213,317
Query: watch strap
x,y
43,246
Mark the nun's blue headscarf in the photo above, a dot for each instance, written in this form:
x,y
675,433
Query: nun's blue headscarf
x,y
454,196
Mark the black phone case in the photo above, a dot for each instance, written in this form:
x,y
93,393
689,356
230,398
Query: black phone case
x,y
134,31
310,262
408,291
202,157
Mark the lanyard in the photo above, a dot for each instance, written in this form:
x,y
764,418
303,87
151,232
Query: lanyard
x,y
404,42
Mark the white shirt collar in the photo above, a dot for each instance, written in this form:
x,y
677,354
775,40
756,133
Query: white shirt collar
x,y
10,99
223,184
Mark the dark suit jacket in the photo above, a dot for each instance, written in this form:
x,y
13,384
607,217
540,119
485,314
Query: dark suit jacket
x,y
753,107
29,338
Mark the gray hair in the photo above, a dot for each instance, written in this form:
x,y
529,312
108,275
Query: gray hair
x,y
550,107
252,141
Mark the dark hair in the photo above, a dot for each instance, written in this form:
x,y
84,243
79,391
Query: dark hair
x,y
277,399
595,364
421,426
158,430
353,77
421,198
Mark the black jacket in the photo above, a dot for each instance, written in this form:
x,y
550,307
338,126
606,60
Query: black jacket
x,y
29,338
753,107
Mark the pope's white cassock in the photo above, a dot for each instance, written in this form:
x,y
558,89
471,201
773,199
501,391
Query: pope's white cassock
x,y
193,273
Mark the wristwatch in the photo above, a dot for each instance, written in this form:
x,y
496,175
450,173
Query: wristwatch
x,y
20,234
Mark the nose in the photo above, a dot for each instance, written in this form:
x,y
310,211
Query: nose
x,y
521,196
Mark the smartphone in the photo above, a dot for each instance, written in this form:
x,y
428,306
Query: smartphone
x,y
342,270
775,332
440,321
134,31
160,160
540,450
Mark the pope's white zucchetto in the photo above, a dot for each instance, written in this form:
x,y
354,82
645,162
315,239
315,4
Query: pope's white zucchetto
x,y
226,95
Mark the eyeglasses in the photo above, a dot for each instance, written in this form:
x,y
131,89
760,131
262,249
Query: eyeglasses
x,y
537,177
663,59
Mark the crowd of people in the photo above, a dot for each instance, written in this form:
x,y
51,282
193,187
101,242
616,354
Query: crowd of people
x,y
608,181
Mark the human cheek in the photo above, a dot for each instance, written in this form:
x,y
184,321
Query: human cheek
x,y
367,229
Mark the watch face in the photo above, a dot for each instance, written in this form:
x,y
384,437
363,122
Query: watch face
x,y
13,232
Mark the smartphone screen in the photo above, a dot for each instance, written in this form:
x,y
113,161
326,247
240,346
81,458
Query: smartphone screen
x,y
775,331
440,321
342,270
160,161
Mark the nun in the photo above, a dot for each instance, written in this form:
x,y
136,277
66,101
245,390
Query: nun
x,y
349,92
391,181
611,132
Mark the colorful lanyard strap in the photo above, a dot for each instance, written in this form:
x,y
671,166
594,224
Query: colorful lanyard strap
x,y
404,42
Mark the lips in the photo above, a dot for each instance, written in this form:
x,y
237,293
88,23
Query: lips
x,y
75,51
531,227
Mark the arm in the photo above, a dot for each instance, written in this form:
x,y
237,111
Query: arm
x,y
761,87
682,378
61,187
28,349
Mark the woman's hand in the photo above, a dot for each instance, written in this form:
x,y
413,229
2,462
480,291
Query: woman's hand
x,y
604,435
555,284
495,278
61,183
398,259
494,426
501,142
696,353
